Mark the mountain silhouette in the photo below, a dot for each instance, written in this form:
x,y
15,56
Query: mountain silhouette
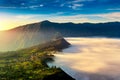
x,y
110,29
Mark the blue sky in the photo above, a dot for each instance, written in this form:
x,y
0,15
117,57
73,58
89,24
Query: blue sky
x,y
68,7
77,11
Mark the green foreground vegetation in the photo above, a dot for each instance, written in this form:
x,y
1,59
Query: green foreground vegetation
x,y
30,64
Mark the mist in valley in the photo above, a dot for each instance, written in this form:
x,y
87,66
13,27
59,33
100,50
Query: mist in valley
x,y
91,59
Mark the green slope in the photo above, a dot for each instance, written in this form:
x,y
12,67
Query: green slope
x,y
30,63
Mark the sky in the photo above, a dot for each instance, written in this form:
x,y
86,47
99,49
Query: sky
x,y
19,12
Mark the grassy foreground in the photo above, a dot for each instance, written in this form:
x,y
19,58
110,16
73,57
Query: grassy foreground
x,y
30,64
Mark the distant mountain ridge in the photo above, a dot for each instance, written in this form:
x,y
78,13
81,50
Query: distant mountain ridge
x,y
42,32
110,29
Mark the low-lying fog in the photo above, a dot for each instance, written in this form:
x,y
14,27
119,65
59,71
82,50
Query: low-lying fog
x,y
91,59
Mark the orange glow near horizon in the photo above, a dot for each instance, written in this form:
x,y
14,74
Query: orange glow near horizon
x,y
6,25
8,21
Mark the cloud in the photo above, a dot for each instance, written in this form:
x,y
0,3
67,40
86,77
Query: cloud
x,y
4,7
61,5
41,5
23,4
117,9
35,6
115,16
58,16
76,1
24,16
22,7
93,18
86,58
13,20
76,6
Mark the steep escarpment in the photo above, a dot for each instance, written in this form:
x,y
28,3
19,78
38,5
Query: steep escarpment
x,y
26,36
54,45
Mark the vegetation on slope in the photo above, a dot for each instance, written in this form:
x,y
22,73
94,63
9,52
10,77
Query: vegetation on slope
x,y
30,63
